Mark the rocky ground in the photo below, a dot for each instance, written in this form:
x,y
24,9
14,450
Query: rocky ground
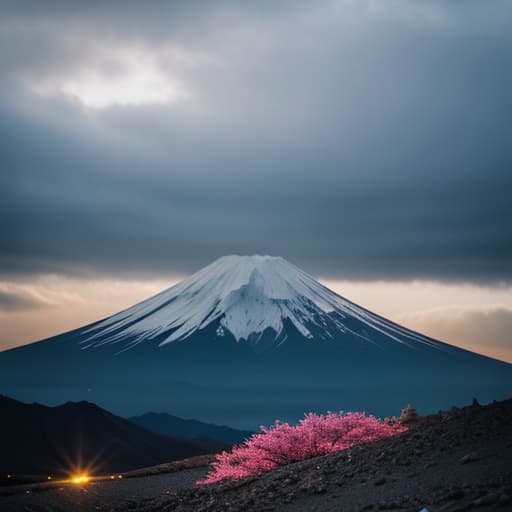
x,y
97,495
454,462
461,461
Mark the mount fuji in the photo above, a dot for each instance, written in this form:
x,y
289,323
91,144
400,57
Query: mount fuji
x,y
244,341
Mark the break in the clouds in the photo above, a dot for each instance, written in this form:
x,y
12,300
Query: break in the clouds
x,y
358,139
480,329
10,301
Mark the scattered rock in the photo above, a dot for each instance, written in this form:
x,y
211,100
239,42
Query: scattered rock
x,y
488,499
470,457
409,415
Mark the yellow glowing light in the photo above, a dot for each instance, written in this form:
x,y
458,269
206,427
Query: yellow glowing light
x,y
80,479
120,476
112,477
49,477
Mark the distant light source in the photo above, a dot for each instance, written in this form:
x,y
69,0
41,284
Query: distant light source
x,y
49,477
119,476
80,479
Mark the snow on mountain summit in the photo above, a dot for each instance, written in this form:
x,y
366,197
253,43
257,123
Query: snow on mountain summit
x,y
246,295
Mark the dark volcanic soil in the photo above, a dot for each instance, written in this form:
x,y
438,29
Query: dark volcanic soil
x,y
461,461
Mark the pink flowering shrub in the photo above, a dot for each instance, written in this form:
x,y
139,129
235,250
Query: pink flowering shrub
x,y
282,443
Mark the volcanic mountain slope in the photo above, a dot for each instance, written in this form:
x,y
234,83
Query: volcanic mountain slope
x,y
244,341
246,298
39,440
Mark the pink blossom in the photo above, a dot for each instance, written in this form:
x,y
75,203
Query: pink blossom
x,y
283,443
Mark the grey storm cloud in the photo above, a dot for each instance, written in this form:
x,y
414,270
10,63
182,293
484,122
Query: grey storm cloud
x,y
357,139
12,301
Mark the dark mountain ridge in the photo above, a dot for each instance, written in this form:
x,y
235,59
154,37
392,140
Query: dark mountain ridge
x,y
80,436
170,425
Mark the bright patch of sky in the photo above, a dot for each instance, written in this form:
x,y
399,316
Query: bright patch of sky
x,y
122,77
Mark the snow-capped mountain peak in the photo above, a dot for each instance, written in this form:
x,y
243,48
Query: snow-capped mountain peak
x,y
246,295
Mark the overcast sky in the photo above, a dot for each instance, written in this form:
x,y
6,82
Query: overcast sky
x,y
362,140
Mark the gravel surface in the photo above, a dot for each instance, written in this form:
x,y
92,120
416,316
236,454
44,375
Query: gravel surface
x,y
95,495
